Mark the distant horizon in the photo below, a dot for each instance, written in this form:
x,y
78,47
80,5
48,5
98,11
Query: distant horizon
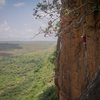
x,y
32,41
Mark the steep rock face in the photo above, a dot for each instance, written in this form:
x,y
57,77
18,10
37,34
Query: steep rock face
x,y
93,89
77,62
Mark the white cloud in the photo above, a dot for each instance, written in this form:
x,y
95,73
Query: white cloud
x,y
8,32
20,4
27,33
30,30
4,27
2,2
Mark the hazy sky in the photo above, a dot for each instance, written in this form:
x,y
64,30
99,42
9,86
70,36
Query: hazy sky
x,y
17,22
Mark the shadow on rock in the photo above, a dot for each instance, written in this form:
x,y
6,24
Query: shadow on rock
x,y
93,90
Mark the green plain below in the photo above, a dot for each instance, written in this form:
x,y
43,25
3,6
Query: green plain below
x,y
26,73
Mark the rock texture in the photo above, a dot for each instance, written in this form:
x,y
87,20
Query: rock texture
x,y
77,62
93,90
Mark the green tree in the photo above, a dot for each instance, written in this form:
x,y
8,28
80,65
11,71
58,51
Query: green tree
x,y
49,9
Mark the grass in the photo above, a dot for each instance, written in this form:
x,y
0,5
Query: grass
x,y
27,77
